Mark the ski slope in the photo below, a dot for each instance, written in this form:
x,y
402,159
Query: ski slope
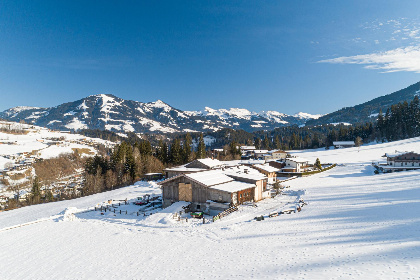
x,y
356,225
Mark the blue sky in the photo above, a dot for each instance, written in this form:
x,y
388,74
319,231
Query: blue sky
x,y
288,56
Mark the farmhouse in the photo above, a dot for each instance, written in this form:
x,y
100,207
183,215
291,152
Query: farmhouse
x,y
259,154
252,176
401,161
295,164
343,144
203,188
275,155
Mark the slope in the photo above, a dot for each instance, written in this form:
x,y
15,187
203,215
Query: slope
x,y
368,111
356,226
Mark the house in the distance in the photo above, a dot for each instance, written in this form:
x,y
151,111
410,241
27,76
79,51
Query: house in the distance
x,y
275,155
295,164
401,161
343,144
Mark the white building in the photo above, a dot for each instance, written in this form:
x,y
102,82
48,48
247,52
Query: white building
x,y
400,161
295,164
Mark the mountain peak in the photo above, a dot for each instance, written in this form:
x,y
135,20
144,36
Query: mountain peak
x,y
108,112
307,116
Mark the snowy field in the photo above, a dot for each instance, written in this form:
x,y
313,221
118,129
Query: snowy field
x,y
36,140
356,225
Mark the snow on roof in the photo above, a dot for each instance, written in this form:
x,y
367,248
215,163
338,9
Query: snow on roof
x,y
245,173
210,162
233,186
343,143
261,151
297,159
252,161
267,168
210,178
397,153
247,147
184,168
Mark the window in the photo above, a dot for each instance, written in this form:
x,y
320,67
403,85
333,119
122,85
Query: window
x,y
241,195
198,206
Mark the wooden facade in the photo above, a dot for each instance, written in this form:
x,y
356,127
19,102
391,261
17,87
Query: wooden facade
x,y
183,188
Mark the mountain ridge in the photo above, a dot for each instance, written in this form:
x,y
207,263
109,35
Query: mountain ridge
x,y
109,112
369,110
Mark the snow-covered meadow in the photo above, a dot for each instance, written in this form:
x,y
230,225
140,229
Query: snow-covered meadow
x,y
356,225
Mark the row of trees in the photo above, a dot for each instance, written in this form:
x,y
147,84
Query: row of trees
x,y
180,150
401,121
128,163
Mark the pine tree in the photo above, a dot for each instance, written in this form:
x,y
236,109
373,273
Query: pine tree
x,y
187,153
277,142
266,143
201,149
175,152
162,152
318,164
257,143
36,191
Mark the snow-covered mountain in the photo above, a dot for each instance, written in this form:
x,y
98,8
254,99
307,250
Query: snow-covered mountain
x,y
104,111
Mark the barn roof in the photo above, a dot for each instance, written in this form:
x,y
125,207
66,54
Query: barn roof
x,y
209,178
233,186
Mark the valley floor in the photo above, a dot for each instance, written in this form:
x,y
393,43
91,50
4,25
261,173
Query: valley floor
x,y
356,225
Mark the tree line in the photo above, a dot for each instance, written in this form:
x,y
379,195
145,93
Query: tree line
x,y
128,163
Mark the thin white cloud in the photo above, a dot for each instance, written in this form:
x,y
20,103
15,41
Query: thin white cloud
x,y
397,60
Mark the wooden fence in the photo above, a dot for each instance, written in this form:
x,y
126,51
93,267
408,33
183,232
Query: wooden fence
x,y
225,213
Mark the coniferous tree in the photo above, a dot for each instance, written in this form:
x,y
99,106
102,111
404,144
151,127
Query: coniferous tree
x,y
162,152
175,152
277,142
318,164
201,149
36,191
257,143
187,152
266,143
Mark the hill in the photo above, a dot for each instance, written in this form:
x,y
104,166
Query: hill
x,y
368,111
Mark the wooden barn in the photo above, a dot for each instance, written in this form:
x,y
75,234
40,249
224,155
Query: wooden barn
x,y
203,188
